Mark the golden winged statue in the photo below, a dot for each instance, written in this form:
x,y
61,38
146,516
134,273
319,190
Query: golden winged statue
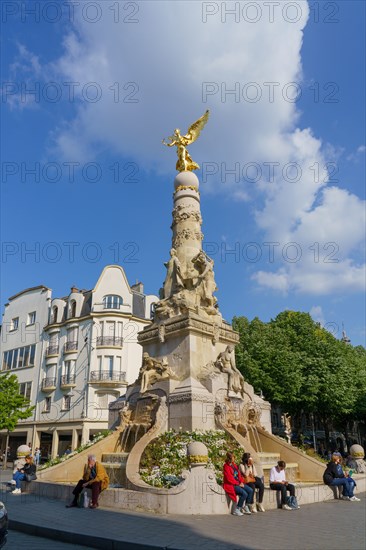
x,y
185,161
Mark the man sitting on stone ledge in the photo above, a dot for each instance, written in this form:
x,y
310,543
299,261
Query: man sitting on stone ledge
x,y
95,477
277,482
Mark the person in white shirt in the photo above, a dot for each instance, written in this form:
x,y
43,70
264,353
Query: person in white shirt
x,y
277,482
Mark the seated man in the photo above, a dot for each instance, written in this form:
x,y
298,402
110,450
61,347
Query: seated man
x,y
277,482
94,477
335,477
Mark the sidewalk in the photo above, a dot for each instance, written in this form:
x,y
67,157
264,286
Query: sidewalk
x,y
332,525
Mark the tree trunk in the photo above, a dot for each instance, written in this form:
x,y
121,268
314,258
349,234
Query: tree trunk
x,y
326,433
6,451
346,435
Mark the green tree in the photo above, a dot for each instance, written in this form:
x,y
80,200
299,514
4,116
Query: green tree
x,y
303,368
13,405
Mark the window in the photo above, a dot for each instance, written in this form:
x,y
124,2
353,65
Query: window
x,y
47,405
69,369
14,364
66,403
72,309
20,357
104,399
31,318
5,361
26,356
275,420
112,302
54,314
14,323
72,334
32,355
25,389
108,362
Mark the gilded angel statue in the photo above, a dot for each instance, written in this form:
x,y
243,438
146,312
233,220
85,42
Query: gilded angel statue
x,y
185,161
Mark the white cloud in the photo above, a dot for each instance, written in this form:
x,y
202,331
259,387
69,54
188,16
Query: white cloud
x,y
160,66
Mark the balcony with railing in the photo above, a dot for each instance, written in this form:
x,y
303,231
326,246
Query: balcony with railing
x,y
67,381
53,349
71,347
109,341
107,378
48,384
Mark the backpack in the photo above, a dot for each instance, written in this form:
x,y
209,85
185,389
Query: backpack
x,y
292,502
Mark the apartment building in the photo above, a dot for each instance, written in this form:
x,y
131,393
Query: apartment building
x,y
72,355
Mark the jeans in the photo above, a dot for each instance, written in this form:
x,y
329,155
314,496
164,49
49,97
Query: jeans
x,y
283,488
348,486
258,485
18,477
245,495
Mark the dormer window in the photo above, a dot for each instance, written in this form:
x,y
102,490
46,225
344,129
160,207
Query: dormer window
x,y
54,314
112,301
72,309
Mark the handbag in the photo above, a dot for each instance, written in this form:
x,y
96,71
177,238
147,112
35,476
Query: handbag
x,y
30,477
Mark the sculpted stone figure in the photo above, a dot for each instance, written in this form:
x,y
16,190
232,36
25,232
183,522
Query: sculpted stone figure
x,y
125,416
153,370
173,280
226,363
206,284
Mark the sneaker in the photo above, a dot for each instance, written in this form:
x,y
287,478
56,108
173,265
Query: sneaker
x,y
355,499
16,492
345,498
253,508
286,507
246,510
237,512
260,507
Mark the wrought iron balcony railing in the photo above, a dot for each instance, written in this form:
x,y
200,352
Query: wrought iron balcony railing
x,y
112,341
67,380
52,350
71,346
107,376
48,383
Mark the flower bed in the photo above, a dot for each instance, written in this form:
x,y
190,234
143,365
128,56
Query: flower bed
x,y
164,460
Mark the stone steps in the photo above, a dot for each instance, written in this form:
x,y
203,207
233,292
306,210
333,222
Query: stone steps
x,y
268,460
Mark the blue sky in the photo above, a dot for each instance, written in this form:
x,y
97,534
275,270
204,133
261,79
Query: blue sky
x,y
102,192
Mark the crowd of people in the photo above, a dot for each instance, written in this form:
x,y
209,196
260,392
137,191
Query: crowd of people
x,y
241,482
246,489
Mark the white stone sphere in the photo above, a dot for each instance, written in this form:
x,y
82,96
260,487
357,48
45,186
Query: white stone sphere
x,y
186,179
357,451
23,450
196,448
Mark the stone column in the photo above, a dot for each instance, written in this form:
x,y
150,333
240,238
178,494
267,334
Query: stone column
x,y
187,220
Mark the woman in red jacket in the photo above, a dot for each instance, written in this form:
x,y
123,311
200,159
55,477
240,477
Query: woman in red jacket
x,y
234,485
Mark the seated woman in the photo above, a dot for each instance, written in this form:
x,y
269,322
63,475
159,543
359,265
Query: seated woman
x,y
277,482
335,477
234,485
29,468
251,479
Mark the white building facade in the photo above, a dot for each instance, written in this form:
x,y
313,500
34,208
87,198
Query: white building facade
x,y
84,354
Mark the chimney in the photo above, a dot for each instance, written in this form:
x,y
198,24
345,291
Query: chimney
x,y
74,289
138,287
